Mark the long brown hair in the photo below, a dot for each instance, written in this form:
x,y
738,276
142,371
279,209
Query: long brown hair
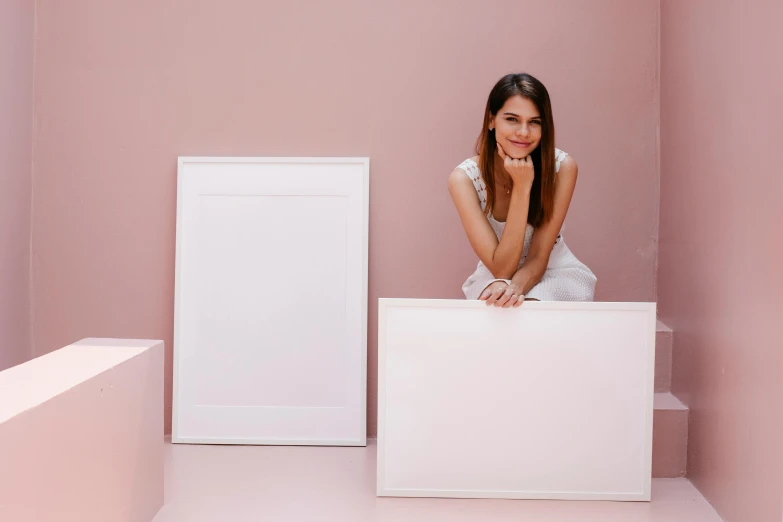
x,y
542,194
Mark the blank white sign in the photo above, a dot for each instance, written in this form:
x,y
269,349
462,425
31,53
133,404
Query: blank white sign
x,y
544,401
271,301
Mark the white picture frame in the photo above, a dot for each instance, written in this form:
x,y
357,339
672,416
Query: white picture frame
x,y
551,400
270,322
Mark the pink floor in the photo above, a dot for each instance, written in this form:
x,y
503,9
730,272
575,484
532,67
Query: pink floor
x,y
281,484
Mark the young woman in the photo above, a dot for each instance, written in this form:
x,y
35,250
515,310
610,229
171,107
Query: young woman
x,y
512,200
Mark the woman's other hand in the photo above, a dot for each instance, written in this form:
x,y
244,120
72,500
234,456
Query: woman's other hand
x,y
502,294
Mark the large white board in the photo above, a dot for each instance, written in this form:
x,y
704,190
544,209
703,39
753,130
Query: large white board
x,y
544,401
270,336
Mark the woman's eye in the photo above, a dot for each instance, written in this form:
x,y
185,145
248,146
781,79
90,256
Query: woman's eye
x,y
535,122
511,119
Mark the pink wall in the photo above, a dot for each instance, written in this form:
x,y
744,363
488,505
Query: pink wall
x,y
720,280
123,88
16,111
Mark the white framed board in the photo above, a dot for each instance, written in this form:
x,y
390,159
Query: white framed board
x,y
550,400
270,329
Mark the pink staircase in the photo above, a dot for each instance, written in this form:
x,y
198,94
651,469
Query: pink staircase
x,y
670,420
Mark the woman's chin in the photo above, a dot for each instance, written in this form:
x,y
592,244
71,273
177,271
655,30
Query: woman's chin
x,y
517,152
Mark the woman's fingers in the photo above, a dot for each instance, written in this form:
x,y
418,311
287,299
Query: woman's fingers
x,y
504,297
497,292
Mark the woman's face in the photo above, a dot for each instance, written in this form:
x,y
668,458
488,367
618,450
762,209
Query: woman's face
x,y
517,127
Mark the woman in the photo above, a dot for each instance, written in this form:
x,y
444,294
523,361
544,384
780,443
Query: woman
x,y
512,200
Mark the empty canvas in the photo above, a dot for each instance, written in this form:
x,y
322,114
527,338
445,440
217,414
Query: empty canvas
x,y
548,400
271,300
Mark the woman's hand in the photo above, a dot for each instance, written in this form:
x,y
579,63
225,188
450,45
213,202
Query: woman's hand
x,y
521,170
502,294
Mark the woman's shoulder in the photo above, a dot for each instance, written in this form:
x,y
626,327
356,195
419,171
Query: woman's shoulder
x,y
562,158
469,167
466,174
469,164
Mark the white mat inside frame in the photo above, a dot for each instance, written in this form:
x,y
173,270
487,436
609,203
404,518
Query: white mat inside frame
x,y
271,301
545,401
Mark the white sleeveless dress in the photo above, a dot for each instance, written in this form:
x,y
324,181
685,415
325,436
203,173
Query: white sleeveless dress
x,y
566,278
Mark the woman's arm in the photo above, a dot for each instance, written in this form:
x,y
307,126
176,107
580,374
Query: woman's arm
x,y
544,237
501,258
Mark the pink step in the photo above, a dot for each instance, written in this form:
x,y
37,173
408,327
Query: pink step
x,y
670,419
81,434
670,437
663,358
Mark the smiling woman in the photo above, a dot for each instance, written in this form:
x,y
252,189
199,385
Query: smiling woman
x,y
512,200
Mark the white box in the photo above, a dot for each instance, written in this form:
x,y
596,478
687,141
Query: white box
x,y
81,434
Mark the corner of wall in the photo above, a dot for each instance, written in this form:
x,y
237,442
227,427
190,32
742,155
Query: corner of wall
x,y
33,138
658,116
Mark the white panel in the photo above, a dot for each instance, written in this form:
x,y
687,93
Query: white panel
x,y
544,401
271,301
